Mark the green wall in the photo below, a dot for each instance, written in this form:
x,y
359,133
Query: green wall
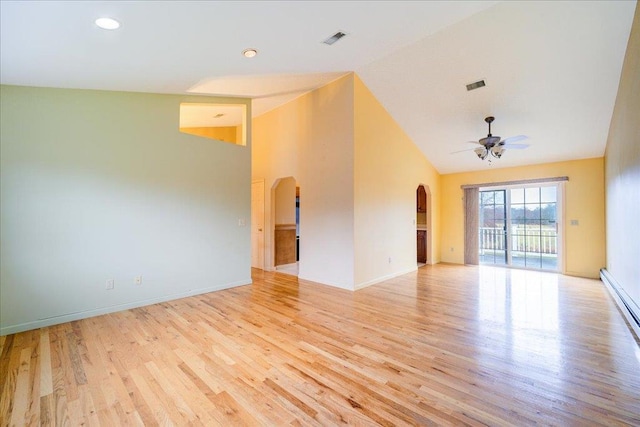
x,y
100,185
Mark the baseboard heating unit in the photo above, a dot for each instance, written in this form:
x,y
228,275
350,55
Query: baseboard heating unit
x,y
627,306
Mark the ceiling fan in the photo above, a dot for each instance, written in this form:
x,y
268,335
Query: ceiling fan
x,y
494,145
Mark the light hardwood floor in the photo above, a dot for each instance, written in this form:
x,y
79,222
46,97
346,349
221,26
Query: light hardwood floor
x,y
448,345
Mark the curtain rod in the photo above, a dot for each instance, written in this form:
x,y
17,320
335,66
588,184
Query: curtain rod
x,y
519,182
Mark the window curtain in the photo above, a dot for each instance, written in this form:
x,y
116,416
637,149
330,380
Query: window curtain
x,y
471,200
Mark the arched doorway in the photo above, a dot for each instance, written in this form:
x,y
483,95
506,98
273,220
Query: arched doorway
x,y
286,202
423,225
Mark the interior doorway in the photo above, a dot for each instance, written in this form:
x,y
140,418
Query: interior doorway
x,y
423,225
257,224
286,229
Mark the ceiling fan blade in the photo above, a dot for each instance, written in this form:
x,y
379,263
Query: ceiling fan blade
x,y
462,151
513,139
515,146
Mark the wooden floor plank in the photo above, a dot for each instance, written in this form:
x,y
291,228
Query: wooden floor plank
x,y
21,403
46,384
446,345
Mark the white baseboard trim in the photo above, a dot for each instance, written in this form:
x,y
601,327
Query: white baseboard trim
x,y
320,282
627,306
383,278
286,266
69,317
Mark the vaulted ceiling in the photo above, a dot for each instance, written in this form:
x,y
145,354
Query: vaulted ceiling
x,y
551,68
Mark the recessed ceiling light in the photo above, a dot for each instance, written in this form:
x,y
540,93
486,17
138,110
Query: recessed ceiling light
x,y
107,23
250,53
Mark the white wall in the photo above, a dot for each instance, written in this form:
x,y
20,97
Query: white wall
x,y
622,175
102,185
311,139
358,173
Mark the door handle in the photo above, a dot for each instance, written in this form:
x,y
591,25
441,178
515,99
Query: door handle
x,y
259,229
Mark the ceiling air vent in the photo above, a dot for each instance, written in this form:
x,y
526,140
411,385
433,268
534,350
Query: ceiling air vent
x,y
334,38
475,85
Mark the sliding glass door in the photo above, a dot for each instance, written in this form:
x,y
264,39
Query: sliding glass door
x,y
534,228
493,227
518,227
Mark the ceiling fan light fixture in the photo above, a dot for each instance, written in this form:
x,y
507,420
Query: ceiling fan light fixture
x,y
496,151
495,145
481,152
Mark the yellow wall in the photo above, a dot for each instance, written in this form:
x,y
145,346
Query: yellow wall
x,y
222,133
584,249
388,169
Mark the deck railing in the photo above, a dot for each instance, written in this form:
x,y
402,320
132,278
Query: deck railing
x,y
523,239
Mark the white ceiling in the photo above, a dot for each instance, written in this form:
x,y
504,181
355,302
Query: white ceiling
x,y
552,68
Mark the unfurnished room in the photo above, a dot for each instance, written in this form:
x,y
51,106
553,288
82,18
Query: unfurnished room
x,y
318,213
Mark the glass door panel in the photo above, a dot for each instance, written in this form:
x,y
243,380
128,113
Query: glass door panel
x,y
518,227
492,232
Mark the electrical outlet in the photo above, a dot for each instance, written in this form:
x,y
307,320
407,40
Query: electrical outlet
x,y
241,222
389,260
138,280
110,284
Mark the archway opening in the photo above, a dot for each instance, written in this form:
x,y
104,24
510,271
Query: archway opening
x,y
423,225
286,225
